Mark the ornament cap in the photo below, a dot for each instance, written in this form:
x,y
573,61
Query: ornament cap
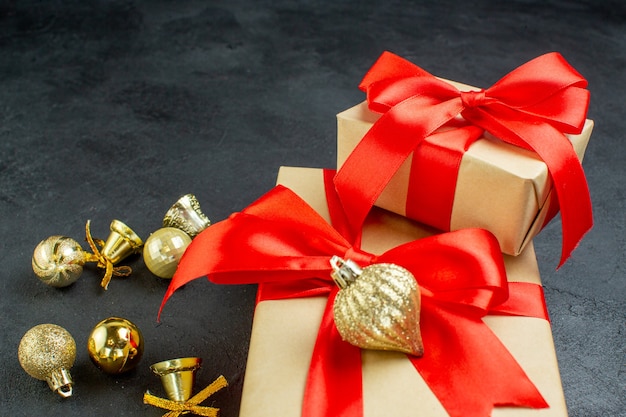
x,y
186,215
178,376
60,381
344,271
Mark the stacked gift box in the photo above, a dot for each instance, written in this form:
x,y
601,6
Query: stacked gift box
x,y
421,160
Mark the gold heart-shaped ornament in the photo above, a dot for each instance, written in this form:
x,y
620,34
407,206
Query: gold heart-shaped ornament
x,y
377,307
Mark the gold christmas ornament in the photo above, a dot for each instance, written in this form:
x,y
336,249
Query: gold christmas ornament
x,y
378,307
163,250
121,243
47,352
178,376
115,345
187,216
58,261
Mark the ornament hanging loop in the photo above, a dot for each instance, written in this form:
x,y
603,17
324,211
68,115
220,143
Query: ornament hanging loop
x,y
60,381
345,272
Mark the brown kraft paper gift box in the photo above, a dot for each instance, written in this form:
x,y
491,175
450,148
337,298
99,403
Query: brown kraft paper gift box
x,y
284,333
500,187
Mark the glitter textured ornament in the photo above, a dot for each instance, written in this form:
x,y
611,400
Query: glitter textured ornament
x,y
187,216
115,345
58,261
163,250
47,352
378,307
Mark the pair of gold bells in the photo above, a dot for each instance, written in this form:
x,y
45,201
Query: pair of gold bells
x,y
47,352
58,260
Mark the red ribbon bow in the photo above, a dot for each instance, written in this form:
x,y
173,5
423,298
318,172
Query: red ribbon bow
x,y
282,243
531,107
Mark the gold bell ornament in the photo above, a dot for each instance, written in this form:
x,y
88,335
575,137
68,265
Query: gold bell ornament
x,y
115,345
178,379
58,260
165,247
377,307
178,376
186,215
47,352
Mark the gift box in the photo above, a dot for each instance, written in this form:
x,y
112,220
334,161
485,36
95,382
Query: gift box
x,y
504,188
284,334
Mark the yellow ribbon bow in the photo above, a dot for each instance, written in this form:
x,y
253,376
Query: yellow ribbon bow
x,y
190,406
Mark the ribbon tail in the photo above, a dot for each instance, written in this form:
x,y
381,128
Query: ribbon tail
x,y
564,167
107,275
476,371
334,383
204,411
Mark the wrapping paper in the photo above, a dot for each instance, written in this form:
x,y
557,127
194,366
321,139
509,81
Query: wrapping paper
x,y
284,332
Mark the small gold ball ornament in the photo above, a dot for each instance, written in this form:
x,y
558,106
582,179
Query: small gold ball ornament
x,y
378,307
58,261
47,352
163,250
115,345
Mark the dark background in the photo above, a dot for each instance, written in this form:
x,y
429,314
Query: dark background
x,y
114,109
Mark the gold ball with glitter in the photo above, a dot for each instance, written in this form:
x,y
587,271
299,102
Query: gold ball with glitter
x,y
58,261
47,352
115,345
163,250
378,307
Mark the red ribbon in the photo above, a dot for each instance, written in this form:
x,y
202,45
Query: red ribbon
x,y
531,107
461,276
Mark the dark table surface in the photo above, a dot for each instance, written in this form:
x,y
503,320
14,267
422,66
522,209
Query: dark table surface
x,y
114,109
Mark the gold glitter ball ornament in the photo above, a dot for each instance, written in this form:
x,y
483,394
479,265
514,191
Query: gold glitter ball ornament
x,y
378,307
58,261
115,345
47,352
163,250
